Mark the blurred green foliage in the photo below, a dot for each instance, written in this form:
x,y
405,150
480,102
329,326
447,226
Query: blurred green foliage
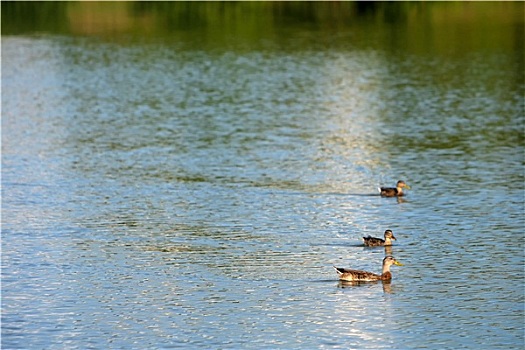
x,y
417,27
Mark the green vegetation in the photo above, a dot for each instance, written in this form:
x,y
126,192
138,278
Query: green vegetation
x,y
444,28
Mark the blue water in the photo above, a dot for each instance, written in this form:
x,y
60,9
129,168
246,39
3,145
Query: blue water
x,y
158,197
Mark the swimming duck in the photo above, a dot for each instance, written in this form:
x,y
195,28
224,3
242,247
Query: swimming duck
x,y
364,276
379,242
394,191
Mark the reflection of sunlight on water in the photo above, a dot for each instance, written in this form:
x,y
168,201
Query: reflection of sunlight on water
x,y
366,309
352,124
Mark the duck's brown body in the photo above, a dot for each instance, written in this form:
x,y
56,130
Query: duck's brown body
x,y
391,192
379,242
359,275
365,276
394,191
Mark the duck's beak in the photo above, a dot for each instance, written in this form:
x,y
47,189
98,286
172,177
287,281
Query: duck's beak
x,y
394,238
407,187
398,263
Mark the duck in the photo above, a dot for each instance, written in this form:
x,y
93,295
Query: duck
x,y
365,276
379,242
394,191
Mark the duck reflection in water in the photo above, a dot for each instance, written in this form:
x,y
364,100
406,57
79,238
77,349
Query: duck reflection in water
x,y
387,285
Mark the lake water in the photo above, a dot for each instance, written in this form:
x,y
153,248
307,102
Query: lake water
x,y
168,190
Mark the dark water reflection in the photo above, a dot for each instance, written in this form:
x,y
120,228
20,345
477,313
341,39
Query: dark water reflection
x,y
170,192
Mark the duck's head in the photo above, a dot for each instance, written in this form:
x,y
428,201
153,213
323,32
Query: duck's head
x,y
402,184
389,234
389,261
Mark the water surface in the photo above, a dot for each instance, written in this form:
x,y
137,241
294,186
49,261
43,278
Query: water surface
x,y
166,190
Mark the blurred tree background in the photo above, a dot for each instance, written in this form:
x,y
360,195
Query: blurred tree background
x,y
417,27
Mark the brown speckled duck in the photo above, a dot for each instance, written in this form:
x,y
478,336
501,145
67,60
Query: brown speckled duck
x,y
364,276
379,242
394,191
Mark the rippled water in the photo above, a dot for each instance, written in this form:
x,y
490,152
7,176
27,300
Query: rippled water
x,y
158,197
